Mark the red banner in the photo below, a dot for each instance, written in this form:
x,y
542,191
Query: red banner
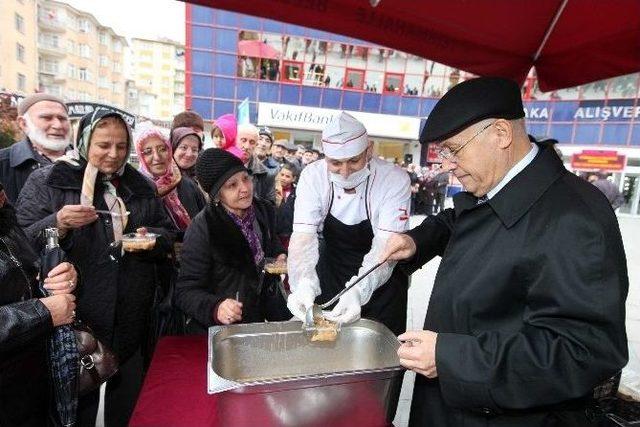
x,y
609,161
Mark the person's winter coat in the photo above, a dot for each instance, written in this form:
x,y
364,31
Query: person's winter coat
x,y
263,182
284,216
25,326
191,197
117,291
16,164
528,303
217,264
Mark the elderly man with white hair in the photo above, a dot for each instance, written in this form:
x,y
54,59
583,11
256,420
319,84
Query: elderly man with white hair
x,y
263,182
44,120
355,202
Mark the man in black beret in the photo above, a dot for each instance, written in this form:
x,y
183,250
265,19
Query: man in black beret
x,y
527,313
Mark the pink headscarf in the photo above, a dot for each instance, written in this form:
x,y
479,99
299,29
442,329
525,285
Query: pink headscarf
x,y
228,125
167,183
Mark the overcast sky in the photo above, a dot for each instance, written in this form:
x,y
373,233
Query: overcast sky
x,y
138,18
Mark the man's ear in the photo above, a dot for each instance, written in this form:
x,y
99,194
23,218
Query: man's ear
x,y
370,150
504,131
22,123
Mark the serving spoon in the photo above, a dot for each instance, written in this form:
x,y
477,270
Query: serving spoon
x,y
315,311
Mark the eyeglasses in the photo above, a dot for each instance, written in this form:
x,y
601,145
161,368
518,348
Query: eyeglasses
x,y
160,150
446,153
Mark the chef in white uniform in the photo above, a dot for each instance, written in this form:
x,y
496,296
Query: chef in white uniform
x,y
347,205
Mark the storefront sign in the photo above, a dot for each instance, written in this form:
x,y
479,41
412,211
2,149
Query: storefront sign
x,y
79,109
612,110
609,161
315,119
432,153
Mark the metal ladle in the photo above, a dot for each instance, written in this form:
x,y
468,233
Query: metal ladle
x,y
315,311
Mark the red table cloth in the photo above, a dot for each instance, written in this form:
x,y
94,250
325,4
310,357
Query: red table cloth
x,y
175,394
175,389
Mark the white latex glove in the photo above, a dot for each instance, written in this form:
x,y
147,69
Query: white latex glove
x,y
348,308
300,300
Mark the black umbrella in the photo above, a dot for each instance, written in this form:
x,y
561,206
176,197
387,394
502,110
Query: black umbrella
x,y
63,348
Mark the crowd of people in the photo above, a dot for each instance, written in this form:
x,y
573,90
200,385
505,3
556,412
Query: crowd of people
x,y
215,212
528,305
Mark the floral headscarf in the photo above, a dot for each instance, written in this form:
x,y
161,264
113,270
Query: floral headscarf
x,y
166,184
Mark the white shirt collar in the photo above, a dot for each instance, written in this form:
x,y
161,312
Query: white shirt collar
x,y
515,170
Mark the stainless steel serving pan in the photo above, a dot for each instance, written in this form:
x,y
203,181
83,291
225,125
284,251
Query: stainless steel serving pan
x,y
270,374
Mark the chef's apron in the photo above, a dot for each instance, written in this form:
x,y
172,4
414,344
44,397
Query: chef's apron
x,y
342,250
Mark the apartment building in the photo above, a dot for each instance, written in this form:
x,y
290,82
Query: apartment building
x,y
79,59
158,68
18,68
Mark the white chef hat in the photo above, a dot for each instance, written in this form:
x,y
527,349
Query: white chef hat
x,y
344,137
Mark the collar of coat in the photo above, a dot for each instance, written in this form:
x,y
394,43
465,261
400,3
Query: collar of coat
x,y
23,151
256,167
517,197
132,183
228,238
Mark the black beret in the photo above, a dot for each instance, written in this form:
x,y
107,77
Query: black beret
x,y
470,102
214,167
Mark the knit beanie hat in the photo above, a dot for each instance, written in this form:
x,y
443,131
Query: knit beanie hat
x,y
214,167
27,102
187,119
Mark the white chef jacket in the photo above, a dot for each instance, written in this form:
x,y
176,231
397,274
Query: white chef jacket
x,y
388,199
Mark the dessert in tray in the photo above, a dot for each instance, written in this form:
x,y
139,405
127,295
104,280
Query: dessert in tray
x,y
324,330
275,267
136,242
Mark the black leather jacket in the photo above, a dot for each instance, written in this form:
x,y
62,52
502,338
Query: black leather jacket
x,y
25,324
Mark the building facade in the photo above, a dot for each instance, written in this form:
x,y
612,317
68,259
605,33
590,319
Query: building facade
x,y
158,68
18,70
294,79
79,59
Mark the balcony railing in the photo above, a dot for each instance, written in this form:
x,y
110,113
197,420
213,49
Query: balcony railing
x,y
51,23
52,48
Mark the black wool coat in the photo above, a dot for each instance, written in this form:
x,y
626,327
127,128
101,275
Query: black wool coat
x,y
117,291
528,303
217,263
190,196
16,164
25,326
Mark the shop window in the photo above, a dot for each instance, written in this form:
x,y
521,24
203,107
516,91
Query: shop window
x,y
393,83
333,76
292,71
354,79
201,37
376,59
412,84
357,57
373,81
225,40
294,48
269,69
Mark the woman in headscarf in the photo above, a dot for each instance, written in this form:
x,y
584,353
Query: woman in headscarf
x,y
93,198
180,195
221,279
186,145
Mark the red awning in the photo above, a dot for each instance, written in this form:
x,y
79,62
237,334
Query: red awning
x,y
257,49
570,42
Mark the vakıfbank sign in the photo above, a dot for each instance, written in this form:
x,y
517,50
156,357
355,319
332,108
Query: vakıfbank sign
x,y
315,119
